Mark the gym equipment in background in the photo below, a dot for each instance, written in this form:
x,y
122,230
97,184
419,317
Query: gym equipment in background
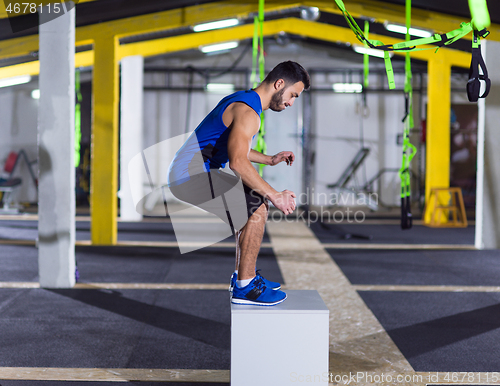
x,y
9,184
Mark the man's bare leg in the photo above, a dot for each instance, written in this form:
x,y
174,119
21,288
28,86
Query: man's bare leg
x,y
250,239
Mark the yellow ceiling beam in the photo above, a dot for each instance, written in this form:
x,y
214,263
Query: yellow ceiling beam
x,y
18,47
178,18
182,17
82,59
334,34
4,14
155,22
27,45
388,12
380,11
295,26
195,40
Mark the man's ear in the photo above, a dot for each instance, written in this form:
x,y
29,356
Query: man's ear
x,y
279,84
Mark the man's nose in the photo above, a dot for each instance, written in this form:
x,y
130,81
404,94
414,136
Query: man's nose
x,y
290,102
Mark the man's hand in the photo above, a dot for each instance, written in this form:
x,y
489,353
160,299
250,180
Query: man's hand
x,y
286,156
284,201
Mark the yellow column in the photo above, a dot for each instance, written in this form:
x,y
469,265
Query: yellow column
x,y
437,170
104,180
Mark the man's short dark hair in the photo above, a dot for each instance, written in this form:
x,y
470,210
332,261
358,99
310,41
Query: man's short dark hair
x,y
290,72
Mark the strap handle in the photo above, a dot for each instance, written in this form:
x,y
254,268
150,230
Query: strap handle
x,y
474,83
258,52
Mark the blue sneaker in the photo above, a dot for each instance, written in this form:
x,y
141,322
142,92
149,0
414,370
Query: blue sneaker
x,y
269,284
256,293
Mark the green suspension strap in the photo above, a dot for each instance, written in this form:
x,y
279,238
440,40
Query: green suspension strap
x,y
255,51
366,58
409,150
258,50
479,13
78,119
480,21
411,45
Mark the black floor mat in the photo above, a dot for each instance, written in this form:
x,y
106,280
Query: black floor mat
x,y
162,329
391,234
18,263
419,267
156,231
441,331
93,383
138,264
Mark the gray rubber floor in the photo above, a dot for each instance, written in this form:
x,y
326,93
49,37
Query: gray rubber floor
x,y
127,231
138,264
391,234
442,331
435,331
163,329
168,329
419,267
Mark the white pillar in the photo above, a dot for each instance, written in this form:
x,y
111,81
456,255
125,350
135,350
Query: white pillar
x,y
56,132
132,73
488,220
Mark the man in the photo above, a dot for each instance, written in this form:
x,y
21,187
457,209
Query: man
x,y
225,135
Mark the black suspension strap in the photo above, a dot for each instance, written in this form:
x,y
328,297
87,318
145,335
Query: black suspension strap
x,y
475,78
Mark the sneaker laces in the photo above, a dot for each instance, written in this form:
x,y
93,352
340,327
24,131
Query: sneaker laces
x,y
259,283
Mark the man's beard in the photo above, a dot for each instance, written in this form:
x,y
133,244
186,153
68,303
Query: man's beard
x,y
277,101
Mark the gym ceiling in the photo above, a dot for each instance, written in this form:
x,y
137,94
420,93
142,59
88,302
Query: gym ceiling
x,y
151,21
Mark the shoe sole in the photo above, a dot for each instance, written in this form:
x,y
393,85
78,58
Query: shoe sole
x,y
253,303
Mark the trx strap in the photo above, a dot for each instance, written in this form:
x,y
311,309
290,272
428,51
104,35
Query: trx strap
x,y
255,51
409,45
474,84
409,150
479,14
78,119
258,50
366,58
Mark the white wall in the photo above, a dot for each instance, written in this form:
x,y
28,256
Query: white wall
x,y
283,132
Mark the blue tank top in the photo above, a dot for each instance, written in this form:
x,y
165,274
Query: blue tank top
x,y
209,139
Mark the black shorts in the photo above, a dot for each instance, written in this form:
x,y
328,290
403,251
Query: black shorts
x,y
222,194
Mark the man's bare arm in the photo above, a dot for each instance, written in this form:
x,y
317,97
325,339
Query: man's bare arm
x,y
271,160
258,157
245,124
243,127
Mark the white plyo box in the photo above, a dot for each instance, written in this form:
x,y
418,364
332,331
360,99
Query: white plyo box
x,y
286,344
